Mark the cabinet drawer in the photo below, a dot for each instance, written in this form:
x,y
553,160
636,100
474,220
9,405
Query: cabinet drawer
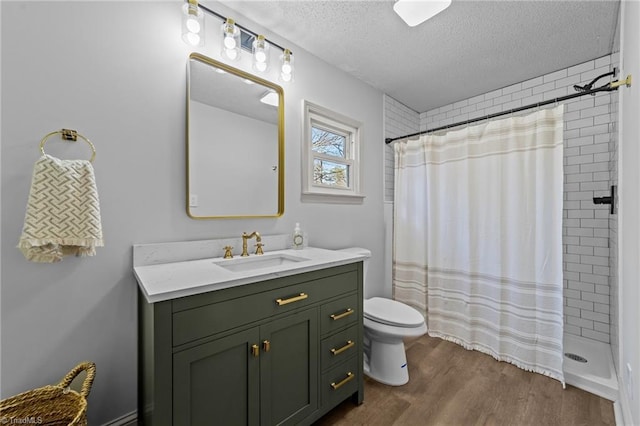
x,y
196,323
338,347
339,313
340,382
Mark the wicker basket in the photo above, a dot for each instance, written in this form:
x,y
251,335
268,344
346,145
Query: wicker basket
x,y
51,405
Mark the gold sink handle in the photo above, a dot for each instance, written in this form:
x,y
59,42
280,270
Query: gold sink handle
x,y
259,248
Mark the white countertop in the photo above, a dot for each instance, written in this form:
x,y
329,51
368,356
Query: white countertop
x,y
165,281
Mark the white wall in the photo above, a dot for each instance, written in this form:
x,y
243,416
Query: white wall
x,y
116,72
629,235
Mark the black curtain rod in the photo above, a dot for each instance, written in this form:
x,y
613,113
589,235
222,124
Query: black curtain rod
x,y
605,88
246,30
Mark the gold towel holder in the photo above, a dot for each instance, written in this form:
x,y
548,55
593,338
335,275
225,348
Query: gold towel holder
x,y
68,135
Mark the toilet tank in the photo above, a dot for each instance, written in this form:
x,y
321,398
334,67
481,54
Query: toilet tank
x,y
365,262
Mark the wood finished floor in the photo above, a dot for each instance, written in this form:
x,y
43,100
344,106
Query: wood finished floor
x,y
449,385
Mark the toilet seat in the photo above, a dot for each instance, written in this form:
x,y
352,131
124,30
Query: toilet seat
x,y
391,312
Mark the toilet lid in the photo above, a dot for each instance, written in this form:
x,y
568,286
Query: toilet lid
x,y
391,312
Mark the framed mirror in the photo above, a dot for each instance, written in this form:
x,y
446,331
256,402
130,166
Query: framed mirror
x,y
235,142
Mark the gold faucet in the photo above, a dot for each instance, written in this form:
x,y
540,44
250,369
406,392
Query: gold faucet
x,y
246,237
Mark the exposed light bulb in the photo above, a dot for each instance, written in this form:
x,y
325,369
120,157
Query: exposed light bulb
x,y
286,77
231,54
261,66
193,39
260,57
193,25
286,68
229,42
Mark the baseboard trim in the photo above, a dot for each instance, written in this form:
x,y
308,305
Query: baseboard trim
x,y
621,407
130,419
617,414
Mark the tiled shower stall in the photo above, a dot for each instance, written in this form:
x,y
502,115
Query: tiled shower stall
x,y
590,168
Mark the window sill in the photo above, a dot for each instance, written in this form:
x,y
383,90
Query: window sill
x,y
319,197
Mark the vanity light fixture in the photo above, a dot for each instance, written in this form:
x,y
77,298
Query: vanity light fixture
x,y
235,37
260,49
415,12
286,67
192,23
230,40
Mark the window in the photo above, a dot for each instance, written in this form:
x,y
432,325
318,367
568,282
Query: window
x,y
331,154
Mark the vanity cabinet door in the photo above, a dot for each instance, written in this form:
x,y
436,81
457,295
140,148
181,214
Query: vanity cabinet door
x,y
217,383
289,368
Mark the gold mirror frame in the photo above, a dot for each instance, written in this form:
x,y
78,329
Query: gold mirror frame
x,y
280,142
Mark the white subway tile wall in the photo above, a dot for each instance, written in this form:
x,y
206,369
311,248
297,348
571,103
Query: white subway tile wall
x,y
400,120
590,168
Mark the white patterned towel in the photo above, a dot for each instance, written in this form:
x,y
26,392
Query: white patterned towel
x,y
63,212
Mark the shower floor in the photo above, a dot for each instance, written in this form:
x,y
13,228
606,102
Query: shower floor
x,y
598,374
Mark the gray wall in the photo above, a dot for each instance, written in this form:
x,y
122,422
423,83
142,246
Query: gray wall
x,y
590,134
116,72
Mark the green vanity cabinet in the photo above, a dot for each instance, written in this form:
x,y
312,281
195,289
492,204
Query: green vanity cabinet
x,y
281,351
223,368
289,369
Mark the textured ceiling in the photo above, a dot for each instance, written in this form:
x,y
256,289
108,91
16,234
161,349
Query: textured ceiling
x,y
471,48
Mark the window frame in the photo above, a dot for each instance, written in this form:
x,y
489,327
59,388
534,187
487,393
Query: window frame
x,y
326,119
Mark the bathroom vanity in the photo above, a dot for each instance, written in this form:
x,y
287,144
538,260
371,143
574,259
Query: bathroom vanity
x,y
260,340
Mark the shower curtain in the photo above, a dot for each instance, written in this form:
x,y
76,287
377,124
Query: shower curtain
x,y
478,237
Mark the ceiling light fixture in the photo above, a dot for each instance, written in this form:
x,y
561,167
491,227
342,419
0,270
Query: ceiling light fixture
x,y
415,12
270,98
192,23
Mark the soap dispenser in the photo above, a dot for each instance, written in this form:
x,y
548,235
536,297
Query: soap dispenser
x,y
298,238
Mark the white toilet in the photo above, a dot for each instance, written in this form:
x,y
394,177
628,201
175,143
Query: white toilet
x,y
386,323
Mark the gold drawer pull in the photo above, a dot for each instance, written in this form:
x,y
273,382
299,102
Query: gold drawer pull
x,y
342,315
349,377
281,302
255,350
266,345
344,348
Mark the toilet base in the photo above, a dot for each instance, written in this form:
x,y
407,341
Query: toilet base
x,y
387,363
385,357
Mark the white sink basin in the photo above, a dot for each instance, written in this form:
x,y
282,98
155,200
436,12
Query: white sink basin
x,y
242,264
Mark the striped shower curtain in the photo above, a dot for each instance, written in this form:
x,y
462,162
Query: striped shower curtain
x,y
478,237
